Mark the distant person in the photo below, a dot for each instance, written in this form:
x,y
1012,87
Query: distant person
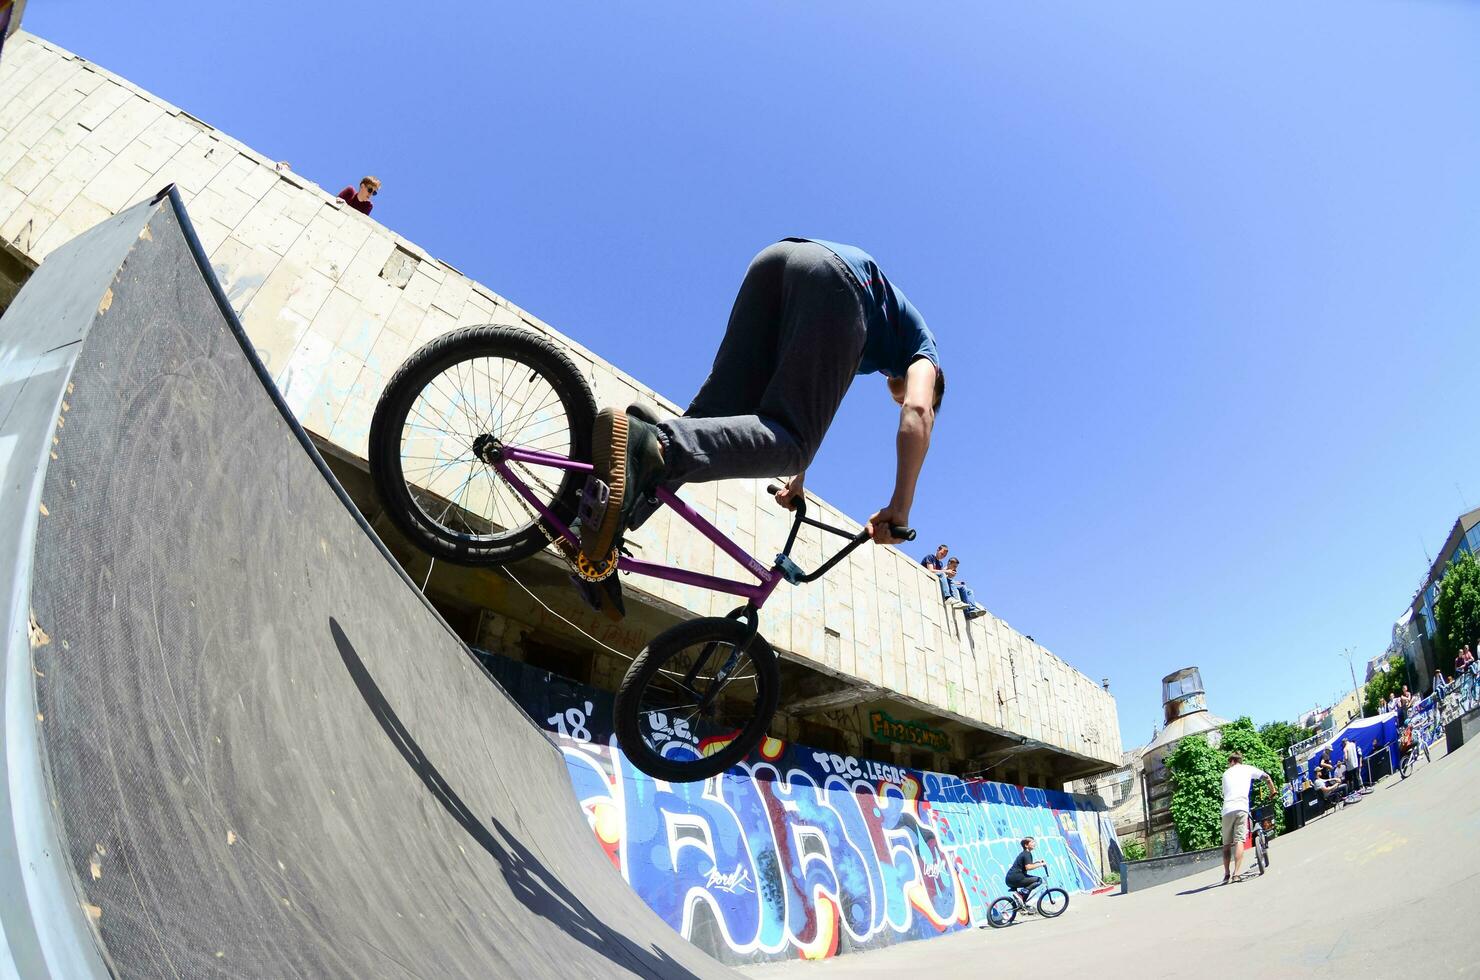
x,y
359,199
936,564
1018,878
1353,757
1404,705
1464,662
1441,686
1238,780
948,581
965,596
1324,767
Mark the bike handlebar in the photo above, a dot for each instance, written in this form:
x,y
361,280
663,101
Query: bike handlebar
x,y
897,530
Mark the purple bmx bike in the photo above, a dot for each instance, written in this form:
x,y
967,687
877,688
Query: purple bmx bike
x,y
480,449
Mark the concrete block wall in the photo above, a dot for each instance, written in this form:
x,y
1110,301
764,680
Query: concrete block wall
x,y
334,302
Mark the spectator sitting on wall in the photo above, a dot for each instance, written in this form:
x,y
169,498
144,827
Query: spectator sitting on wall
x,y
964,595
935,562
1465,661
1441,686
360,199
948,582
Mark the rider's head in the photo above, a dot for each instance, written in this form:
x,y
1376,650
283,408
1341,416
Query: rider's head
x,y
1028,843
1235,758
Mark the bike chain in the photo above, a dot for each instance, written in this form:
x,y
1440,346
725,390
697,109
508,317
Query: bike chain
x,y
583,567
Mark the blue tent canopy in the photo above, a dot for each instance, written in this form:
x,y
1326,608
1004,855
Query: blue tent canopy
x,y
1371,736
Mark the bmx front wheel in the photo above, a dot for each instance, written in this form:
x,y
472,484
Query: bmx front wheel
x,y
448,411
1053,903
1261,854
1002,912
697,699
1406,766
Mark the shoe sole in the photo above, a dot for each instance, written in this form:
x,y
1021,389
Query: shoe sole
x,y
609,459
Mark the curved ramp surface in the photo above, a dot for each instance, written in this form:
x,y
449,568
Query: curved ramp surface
x,y
265,754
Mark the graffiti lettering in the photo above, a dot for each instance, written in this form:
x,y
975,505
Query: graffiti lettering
x,y
800,852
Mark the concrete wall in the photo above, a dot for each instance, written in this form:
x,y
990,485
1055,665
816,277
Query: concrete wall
x,y
334,302
798,853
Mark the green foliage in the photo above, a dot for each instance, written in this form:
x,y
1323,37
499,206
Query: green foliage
x,y
1133,850
1457,609
1384,684
1280,735
1112,877
1196,769
1197,781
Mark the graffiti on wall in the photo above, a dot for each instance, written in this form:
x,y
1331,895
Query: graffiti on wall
x,y
800,852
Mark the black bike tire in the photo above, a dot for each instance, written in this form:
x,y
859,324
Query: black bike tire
x,y
997,922
1054,913
1406,766
395,403
1261,854
661,649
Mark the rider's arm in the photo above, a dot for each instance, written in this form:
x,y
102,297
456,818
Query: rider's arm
x,y
916,420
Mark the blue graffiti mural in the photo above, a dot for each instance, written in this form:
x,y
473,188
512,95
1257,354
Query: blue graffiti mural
x,y
800,852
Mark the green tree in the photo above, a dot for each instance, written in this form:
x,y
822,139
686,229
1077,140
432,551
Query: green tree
x,y
1196,770
1457,609
1280,735
1385,683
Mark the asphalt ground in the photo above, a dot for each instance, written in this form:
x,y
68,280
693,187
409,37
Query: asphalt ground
x,y
1389,886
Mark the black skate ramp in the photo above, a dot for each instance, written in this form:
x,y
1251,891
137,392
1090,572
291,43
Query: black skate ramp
x,y
239,743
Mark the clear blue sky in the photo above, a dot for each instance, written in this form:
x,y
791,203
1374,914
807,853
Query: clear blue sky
x,y
1206,283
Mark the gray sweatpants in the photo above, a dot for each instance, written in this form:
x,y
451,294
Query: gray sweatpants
x,y
794,341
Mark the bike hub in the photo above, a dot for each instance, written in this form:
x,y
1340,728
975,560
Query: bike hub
x,y
488,449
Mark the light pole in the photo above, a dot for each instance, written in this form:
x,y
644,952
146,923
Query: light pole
x,y
1347,653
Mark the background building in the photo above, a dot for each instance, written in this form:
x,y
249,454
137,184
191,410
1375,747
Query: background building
x,y
334,302
1413,635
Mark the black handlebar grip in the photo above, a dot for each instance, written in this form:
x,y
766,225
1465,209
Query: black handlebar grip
x,y
772,488
903,533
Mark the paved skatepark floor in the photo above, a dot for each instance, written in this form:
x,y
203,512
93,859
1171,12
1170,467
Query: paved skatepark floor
x,y
1387,887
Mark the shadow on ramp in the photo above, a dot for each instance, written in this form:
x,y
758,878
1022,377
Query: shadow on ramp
x,y
198,622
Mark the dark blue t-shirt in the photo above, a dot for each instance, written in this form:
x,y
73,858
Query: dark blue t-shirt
x,y
897,333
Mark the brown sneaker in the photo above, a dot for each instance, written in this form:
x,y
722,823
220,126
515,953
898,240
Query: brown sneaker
x,y
627,457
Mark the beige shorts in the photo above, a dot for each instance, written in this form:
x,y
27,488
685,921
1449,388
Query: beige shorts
x,y
1235,827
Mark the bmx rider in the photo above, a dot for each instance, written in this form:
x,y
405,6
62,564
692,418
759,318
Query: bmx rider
x,y
1018,879
809,317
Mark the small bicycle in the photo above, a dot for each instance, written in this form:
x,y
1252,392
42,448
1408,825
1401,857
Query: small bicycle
x,y
479,450
1261,819
1050,903
1411,746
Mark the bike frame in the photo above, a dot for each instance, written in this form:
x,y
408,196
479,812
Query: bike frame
x,y
756,595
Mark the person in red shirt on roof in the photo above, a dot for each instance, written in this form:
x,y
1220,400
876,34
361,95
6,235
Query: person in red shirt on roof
x,y
360,199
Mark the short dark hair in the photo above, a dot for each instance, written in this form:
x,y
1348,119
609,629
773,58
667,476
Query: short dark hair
x,y
1237,757
1026,841
940,546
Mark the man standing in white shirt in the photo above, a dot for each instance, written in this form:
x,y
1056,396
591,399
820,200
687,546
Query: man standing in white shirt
x,y
1237,781
1353,757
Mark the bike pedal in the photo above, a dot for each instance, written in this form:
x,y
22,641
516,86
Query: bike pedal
x,y
594,497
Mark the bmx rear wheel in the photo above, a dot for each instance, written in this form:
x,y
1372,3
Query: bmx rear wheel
x,y
697,699
1261,854
1002,912
447,411
1053,903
